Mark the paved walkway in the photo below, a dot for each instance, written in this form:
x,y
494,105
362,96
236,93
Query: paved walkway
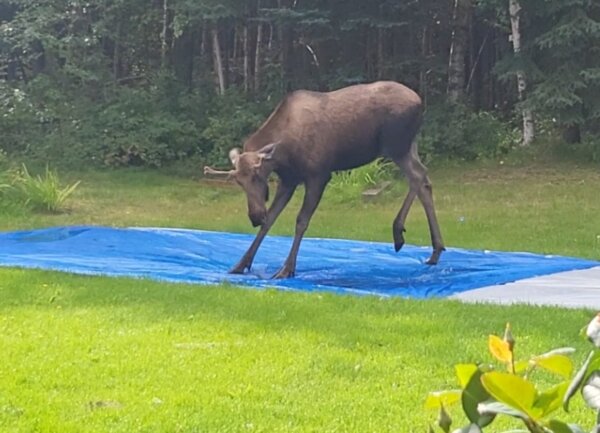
x,y
574,289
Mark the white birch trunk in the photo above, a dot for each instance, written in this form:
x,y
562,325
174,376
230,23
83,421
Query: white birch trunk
x,y
218,61
514,8
458,50
258,57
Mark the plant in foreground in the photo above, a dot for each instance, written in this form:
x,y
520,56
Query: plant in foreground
x,y
486,392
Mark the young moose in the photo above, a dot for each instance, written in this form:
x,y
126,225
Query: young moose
x,y
310,135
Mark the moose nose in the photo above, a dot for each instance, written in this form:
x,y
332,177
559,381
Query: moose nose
x,y
257,219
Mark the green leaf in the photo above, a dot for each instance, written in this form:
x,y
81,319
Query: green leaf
x,y
521,366
556,363
473,394
438,399
465,372
559,427
550,400
512,390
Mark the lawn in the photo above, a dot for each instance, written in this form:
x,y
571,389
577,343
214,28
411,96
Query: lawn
x,y
83,354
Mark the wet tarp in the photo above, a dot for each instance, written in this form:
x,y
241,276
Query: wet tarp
x,y
204,257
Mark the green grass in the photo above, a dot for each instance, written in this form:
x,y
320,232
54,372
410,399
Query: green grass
x,y
84,354
545,209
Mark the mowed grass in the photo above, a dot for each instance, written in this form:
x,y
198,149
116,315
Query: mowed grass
x,y
84,354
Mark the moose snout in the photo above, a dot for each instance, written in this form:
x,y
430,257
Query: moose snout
x,y
257,218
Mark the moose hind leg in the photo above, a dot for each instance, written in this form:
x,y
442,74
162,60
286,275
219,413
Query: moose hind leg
x,y
398,225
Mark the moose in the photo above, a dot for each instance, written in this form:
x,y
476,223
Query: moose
x,y
311,135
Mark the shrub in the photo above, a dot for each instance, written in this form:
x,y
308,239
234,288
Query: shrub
x,y
589,148
456,132
486,392
43,192
231,120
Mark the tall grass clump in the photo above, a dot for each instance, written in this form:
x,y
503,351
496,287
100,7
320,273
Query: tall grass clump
x,y
44,193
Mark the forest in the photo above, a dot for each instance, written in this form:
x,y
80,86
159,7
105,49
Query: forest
x,y
152,82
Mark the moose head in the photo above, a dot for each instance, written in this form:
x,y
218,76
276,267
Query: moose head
x,y
251,171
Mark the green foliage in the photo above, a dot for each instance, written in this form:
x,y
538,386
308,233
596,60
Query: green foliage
x,y
564,45
125,82
456,132
487,392
136,128
348,185
231,119
589,148
43,193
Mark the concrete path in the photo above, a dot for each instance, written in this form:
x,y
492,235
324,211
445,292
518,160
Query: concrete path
x,y
573,289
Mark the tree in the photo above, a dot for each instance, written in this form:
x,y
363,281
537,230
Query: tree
x,y
514,8
458,50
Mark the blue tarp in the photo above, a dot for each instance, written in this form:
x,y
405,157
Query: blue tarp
x,y
323,264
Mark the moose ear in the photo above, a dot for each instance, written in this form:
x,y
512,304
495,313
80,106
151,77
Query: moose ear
x,y
234,156
267,151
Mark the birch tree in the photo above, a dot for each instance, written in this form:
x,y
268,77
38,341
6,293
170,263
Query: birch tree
x,y
514,9
458,50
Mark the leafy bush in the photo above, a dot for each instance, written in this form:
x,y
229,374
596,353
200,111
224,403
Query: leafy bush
x,y
486,392
589,148
232,119
456,132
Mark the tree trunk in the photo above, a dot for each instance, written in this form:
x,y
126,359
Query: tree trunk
x,y
117,54
380,56
286,41
163,36
458,49
514,8
423,64
247,78
218,60
258,57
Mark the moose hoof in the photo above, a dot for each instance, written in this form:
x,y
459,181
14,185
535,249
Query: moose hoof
x,y
435,256
239,269
398,238
284,272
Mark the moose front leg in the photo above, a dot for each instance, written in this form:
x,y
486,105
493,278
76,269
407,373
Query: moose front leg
x,y
312,197
282,197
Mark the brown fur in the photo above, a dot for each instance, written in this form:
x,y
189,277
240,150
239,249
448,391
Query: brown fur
x,y
310,135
